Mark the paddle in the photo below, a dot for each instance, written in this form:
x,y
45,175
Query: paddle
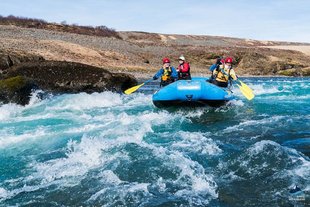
x,y
133,89
245,90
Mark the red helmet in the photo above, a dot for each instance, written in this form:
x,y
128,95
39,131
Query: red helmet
x,y
228,60
166,60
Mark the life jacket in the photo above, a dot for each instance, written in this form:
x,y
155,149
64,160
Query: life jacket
x,y
221,76
166,74
184,75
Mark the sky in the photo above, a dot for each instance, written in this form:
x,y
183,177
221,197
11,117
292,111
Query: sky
x,y
280,20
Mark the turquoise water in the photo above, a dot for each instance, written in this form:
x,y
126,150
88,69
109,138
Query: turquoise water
x,y
107,149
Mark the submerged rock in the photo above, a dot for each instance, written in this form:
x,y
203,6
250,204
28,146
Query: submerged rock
x,y
59,76
16,90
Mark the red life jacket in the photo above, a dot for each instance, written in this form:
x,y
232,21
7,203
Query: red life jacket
x,y
184,71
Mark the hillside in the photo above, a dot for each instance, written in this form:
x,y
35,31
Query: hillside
x,y
140,53
101,31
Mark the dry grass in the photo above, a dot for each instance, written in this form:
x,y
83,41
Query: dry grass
x,y
301,48
140,53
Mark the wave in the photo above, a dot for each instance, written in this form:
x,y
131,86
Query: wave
x,y
249,123
8,138
109,130
9,110
269,167
109,149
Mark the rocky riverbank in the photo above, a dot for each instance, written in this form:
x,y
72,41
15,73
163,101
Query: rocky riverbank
x,y
141,53
18,81
64,61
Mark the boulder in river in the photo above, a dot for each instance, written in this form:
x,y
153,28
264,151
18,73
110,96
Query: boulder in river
x,y
60,76
16,90
17,82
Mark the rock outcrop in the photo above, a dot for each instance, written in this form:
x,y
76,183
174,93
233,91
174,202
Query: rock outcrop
x,y
16,90
18,81
59,76
10,58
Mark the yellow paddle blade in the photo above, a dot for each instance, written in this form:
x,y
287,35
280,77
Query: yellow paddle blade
x,y
246,91
249,96
246,87
133,89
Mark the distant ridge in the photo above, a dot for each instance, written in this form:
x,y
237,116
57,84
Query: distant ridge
x,y
102,31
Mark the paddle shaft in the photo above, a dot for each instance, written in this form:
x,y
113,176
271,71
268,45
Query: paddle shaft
x,y
134,88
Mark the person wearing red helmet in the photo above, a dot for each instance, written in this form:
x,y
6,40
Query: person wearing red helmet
x,y
222,72
167,73
183,69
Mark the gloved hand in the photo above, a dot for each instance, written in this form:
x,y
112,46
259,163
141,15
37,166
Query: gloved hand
x,y
154,78
218,61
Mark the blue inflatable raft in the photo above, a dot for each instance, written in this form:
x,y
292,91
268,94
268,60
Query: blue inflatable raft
x,y
195,92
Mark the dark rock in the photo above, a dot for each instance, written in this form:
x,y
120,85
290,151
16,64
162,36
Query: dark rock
x,y
58,76
16,90
10,58
295,189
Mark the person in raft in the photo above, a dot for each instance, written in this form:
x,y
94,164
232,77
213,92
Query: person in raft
x,y
222,72
167,73
183,69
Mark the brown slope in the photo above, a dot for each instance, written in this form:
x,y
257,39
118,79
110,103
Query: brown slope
x,y
141,53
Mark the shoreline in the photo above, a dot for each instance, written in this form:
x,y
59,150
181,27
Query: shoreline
x,y
147,76
139,54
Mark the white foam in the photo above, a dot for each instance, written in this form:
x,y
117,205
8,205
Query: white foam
x,y
264,121
201,182
303,170
161,185
273,91
81,157
11,112
3,193
138,187
114,126
299,167
34,99
109,177
137,99
132,128
26,188
7,138
194,113
259,147
84,101
122,190
8,111
85,128
263,90
97,194
290,97
196,142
